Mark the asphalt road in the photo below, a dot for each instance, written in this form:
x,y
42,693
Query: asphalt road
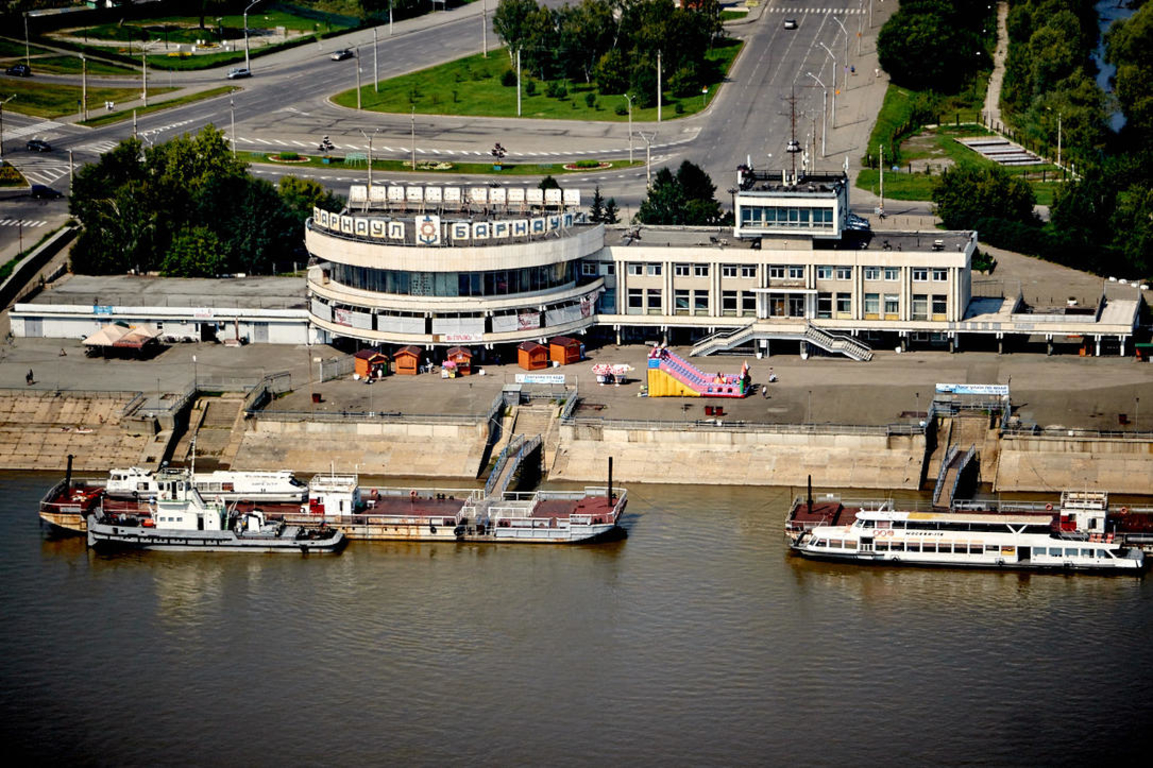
x,y
284,106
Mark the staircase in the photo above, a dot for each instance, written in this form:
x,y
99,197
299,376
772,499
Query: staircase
x,y
836,343
839,342
951,474
722,340
216,428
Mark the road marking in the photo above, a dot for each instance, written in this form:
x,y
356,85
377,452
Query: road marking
x,y
26,223
34,128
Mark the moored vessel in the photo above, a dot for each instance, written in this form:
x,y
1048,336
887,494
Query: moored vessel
x,y
257,486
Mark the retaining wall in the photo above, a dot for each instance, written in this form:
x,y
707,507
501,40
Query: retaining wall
x,y
1053,463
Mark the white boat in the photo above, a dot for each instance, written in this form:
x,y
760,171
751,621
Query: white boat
x,y
139,483
962,539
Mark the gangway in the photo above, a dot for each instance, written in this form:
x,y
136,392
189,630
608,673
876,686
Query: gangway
x,y
508,464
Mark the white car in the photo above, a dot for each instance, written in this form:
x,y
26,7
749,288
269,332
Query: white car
x,y
238,72
790,23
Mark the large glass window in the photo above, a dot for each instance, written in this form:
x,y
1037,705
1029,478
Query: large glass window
x,y
748,270
700,302
872,304
796,272
748,304
940,275
654,301
824,273
892,274
844,303
636,301
920,275
700,270
844,273
892,303
681,301
652,269
636,269
728,270
872,273
452,284
940,304
681,270
729,303
824,305
920,306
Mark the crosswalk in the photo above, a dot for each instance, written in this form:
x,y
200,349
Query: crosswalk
x,y
794,11
41,130
45,174
96,147
25,223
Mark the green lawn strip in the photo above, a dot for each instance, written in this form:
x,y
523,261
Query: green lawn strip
x,y
15,48
10,176
7,267
472,87
124,114
733,15
903,110
187,29
71,65
56,99
427,166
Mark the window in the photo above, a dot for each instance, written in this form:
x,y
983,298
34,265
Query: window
x,y
940,304
748,304
796,273
940,275
872,304
824,273
681,270
653,269
728,270
700,270
892,303
920,306
920,275
589,268
700,302
729,303
680,301
636,301
872,273
609,268
892,274
636,269
748,270
824,305
844,273
844,303
654,301
776,272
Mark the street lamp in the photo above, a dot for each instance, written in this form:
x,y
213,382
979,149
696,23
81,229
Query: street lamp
x,y
834,59
845,63
414,138
648,157
630,97
824,105
365,135
247,65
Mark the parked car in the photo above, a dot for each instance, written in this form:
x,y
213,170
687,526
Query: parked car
x,y
857,223
790,23
41,192
238,72
39,145
19,70
342,54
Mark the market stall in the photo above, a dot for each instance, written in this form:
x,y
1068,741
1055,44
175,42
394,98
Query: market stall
x,y
611,373
564,350
458,359
532,356
408,360
370,364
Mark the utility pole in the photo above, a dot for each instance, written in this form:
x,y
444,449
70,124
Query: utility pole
x,y
134,123
824,110
83,87
414,138
1058,139
356,55
834,59
71,173
144,74
390,18
375,63
484,27
648,157
232,120
518,82
27,48
365,135
881,155
630,97
658,86
247,64
845,63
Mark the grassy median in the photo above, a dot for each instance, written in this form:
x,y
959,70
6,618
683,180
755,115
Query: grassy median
x,y
472,87
336,164
114,117
58,99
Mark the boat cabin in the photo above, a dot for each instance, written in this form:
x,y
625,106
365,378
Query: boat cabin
x,y
188,514
334,495
532,356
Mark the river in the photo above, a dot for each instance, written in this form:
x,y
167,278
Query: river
x,y
695,641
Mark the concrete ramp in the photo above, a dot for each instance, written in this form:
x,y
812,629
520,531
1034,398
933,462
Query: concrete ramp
x,y
39,429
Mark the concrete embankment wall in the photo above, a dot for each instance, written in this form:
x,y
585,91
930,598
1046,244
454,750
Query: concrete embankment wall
x,y
740,457
39,429
372,448
1049,463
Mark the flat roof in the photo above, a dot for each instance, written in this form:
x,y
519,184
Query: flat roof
x,y
896,240
258,292
656,236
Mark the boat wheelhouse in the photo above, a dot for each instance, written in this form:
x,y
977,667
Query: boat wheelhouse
x,y
967,539
279,486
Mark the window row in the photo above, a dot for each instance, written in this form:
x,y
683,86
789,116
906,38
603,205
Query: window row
x,y
773,216
890,274
501,282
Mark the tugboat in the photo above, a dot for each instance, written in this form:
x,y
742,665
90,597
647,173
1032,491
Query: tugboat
x,y
182,521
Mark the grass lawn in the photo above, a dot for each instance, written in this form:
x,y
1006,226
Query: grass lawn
x,y
105,118
10,176
186,29
55,99
471,87
12,49
70,65
427,166
731,15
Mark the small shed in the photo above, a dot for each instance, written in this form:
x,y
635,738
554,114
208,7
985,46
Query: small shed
x,y
564,350
370,364
460,359
532,356
408,360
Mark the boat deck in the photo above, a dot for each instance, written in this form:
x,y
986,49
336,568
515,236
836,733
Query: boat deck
x,y
594,506
804,516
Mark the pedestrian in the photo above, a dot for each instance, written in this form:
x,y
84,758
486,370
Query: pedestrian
x,y
63,353
29,378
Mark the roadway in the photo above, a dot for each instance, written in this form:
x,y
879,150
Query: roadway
x,y
285,106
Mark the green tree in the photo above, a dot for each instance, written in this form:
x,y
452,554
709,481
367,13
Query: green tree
x,y
965,194
1132,223
686,198
665,202
302,195
597,208
612,213
548,182
933,44
195,252
511,22
1129,46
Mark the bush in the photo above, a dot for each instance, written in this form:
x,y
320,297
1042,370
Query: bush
x,y
621,109
555,90
288,156
591,100
508,79
679,108
530,87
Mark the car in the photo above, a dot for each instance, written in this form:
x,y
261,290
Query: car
x,y
342,54
790,23
19,70
238,72
41,192
39,145
857,223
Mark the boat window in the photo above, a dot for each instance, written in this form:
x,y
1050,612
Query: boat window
x,y
928,546
882,545
836,543
1054,551
1086,553
1070,552
976,549
885,524
913,546
897,546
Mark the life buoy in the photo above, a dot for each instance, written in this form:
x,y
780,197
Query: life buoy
x,y
412,495
1124,510
1048,507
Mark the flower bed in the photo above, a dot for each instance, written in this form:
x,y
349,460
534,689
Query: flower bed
x,y
587,166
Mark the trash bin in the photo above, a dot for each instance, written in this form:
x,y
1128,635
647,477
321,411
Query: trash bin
x,y
316,397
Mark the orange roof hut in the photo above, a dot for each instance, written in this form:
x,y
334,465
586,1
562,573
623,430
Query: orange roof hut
x,y
408,360
532,356
564,350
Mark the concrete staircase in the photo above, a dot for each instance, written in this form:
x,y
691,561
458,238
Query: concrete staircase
x,y
834,343
216,424
39,429
539,420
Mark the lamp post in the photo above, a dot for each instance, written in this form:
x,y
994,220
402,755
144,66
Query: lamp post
x,y
195,377
356,56
630,97
144,78
483,26
834,59
390,18
232,120
658,86
370,138
414,138
824,106
375,63
845,63
648,157
27,47
2,103
247,65
83,87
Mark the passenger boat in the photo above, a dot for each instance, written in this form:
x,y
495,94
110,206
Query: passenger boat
x,y
1021,540
280,486
385,514
182,521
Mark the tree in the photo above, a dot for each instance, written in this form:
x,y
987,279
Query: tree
x,y
195,252
1132,223
929,44
597,209
611,215
965,194
686,198
1129,46
548,182
302,195
511,23
665,202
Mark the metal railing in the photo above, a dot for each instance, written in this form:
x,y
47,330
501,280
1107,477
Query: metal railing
x,y
1064,433
397,417
746,426
944,470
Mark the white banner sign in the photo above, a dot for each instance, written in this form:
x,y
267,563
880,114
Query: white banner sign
x,y
540,378
998,390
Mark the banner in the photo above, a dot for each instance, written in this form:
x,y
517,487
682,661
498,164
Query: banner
x,y
527,321
998,390
540,378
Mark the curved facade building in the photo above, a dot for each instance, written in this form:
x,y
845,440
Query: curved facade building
x,y
485,273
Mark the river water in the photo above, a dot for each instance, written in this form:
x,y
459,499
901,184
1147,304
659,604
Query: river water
x,y
695,641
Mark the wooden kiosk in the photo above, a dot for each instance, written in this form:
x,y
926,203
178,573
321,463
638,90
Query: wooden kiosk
x,y
532,356
370,364
564,350
408,360
461,359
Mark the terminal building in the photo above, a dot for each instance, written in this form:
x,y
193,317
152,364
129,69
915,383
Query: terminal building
x,y
492,267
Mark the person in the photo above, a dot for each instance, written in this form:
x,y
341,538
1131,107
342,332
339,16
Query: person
x,y
63,353
764,391
772,377
29,378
